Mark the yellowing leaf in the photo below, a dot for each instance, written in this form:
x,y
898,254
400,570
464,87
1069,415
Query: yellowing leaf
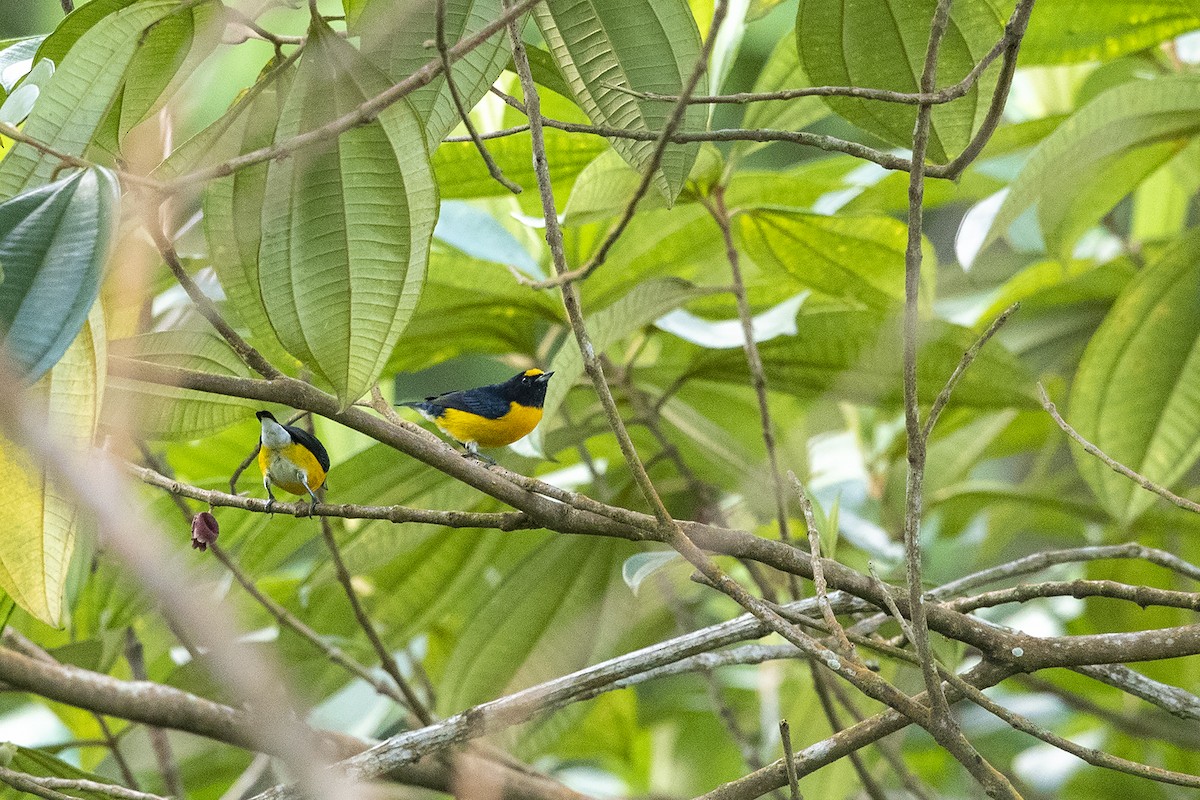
x,y
40,523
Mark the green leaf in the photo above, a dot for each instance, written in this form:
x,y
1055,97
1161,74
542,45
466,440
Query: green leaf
x,y
1137,390
394,33
71,108
346,223
1074,31
605,186
544,71
1082,169
641,306
40,522
170,52
881,44
519,636
783,71
54,242
165,412
856,259
44,765
644,45
462,174
14,51
857,356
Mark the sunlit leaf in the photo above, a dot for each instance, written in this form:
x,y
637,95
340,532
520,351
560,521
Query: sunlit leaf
x,y
644,45
1073,31
40,522
1081,170
72,107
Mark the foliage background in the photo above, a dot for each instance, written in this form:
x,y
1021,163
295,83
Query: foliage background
x,y
1096,238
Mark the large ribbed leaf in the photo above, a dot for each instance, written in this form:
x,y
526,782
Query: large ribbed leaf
x,y
72,106
645,45
232,208
54,241
881,44
394,33
462,174
1071,31
1137,392
165,412
346,223
39,522
1081,170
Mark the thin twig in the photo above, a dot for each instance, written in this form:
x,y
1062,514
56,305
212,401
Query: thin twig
x,y
758,375
943,397
1112,463
912,413
819,584
386,659
463,112
822,684
47,787
163,754
650,167
785,735
17,135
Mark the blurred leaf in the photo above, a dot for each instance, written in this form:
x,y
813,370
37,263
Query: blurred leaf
x,y
645,45
165,412
606,185
643,305
779,320
356,211
783,71
84,85
394,33
856,356
44,765
1136,392
518,636
54,242
1079,172
1073,31
40,522
12,53
169,53
640,566
881,44
856,259
462,174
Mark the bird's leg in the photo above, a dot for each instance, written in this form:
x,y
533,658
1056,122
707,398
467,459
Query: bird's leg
x,y
313,505
473,452
270,495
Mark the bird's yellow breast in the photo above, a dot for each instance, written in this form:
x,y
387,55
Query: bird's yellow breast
x,y
275,465
467,427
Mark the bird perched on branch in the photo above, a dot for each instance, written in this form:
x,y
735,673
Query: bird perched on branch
x,y
489,416
290,458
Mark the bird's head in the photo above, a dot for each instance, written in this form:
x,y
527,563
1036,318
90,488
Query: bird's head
x,y
529,387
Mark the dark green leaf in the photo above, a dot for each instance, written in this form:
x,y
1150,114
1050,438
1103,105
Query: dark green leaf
x,y
1073,31
53,245
881,44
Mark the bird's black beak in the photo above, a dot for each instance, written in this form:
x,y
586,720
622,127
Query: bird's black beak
x,y
544,377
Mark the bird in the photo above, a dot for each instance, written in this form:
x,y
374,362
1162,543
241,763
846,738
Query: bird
x,y
290,458
488,416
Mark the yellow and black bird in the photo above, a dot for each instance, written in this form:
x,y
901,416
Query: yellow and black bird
x,y
290,458
490,416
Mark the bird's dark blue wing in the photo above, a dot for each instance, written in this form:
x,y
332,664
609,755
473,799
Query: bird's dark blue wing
x,y
303,437
485,401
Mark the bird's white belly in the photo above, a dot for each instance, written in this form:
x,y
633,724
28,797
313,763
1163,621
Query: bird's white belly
x,y
280,470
